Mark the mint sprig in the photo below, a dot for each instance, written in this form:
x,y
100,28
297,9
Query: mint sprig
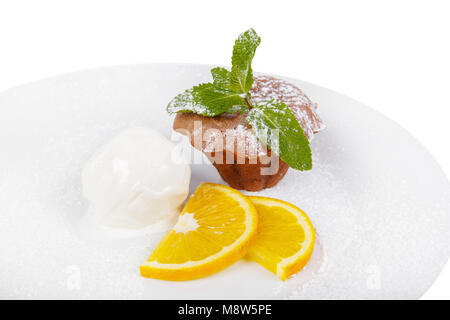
x,y
272,121
229,91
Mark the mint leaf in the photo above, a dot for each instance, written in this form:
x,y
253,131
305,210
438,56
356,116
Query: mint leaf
x,y
208,99
275,125
221,77
241,76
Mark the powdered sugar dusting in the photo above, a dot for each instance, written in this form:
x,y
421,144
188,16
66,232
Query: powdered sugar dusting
x,y
305,111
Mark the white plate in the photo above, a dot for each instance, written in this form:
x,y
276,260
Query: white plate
x,y
377,198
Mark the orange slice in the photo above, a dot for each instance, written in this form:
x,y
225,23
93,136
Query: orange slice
x,y
285,237
214,230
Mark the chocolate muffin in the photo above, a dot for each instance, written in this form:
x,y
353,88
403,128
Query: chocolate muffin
x,y
229,143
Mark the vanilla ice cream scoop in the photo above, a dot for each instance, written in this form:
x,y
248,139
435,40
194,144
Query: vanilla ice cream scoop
x,y
137,179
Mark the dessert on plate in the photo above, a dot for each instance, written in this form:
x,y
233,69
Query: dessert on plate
x,y
251,128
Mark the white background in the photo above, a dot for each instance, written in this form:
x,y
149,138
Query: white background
x,y
391,55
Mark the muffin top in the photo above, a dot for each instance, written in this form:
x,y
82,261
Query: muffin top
x,y
232,133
